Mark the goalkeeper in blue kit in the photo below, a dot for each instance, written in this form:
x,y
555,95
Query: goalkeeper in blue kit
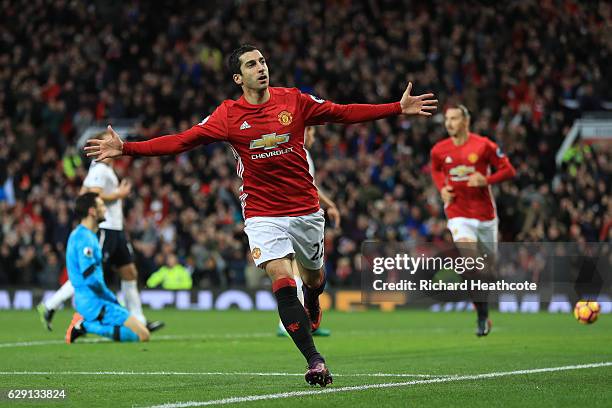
x,y
98,310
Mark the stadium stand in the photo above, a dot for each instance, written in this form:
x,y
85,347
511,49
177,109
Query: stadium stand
x,y
65,66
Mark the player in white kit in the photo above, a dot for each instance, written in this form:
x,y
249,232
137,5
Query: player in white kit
x,y
116,250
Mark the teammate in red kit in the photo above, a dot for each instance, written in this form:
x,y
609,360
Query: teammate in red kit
x,y
461,170
283,219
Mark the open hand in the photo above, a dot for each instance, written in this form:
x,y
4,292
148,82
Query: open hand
x,y
109,147
417,105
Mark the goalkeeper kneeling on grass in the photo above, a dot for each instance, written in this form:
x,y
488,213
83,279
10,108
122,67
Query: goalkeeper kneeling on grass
x,y
98,310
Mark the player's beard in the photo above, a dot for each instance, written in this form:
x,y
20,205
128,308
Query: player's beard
x,y
101,219
256,86
260,86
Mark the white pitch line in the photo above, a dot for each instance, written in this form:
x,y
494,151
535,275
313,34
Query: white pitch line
x,y
157,338
283,395
192,337
213,373
31,343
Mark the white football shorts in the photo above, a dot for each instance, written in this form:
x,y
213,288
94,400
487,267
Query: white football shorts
x,y
278,237
484,232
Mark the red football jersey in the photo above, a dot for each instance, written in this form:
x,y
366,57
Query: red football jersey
x,y
452,165
268,143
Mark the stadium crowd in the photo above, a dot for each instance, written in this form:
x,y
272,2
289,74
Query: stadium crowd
x,y
525,69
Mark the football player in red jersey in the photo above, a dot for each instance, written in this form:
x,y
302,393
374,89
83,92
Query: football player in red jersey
x,y
461,170
283,219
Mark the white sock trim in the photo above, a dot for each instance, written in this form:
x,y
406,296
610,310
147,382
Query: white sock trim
x,y
298,286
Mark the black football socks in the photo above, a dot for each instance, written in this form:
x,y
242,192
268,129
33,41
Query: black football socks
x,y
294,318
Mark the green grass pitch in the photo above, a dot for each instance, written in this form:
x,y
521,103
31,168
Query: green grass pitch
x,y
208,358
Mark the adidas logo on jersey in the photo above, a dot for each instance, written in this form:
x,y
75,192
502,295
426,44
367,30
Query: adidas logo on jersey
x,y
245,125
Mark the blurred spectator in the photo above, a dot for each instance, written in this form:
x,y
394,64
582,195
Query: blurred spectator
x,y
50,274
171,276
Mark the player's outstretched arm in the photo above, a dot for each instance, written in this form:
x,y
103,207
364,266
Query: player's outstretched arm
x,y
318,112
109,147
113,146
210,130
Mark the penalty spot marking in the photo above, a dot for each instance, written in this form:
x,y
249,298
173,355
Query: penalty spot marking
x,y
283,395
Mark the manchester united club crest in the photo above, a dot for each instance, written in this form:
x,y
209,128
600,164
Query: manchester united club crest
x,y
285,118
256,253
473,158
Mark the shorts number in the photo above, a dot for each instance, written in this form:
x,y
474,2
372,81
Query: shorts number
x,y
318,251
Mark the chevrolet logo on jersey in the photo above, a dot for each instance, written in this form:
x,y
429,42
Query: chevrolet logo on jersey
x,y
269,141
461,172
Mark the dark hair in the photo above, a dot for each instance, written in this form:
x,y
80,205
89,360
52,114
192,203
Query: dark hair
x,y
83,203
233,62
464,111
